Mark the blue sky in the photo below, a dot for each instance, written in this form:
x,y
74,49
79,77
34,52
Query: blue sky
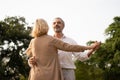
x,y
84,19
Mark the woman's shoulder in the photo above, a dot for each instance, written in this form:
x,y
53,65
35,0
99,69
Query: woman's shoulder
x,y
32,40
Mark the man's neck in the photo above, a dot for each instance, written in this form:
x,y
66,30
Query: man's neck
x,y
58,35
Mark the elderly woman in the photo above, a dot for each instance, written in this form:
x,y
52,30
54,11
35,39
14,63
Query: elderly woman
x,y
44,50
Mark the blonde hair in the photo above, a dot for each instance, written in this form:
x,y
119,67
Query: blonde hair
x,y
40,28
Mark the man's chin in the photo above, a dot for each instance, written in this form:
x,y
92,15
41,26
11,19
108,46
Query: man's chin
x,y
58,31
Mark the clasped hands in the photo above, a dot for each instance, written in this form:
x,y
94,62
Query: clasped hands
x,y
95,45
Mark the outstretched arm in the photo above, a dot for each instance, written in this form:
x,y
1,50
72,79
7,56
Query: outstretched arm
x,y
70,48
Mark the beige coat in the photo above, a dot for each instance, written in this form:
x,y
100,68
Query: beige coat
x,y
45,50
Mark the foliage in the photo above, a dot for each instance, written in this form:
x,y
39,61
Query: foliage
x,y
105,62
87,71
14,38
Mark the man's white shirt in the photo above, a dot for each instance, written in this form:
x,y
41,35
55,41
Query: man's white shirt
x,y
67,58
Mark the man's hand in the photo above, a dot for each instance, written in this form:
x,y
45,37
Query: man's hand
x,y
32,61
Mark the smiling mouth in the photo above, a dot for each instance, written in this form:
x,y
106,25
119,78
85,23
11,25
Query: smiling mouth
x,y
57,30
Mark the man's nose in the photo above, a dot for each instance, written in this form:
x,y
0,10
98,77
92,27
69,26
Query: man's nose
x,y
56,24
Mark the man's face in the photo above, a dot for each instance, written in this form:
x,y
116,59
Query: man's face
x,y
57,25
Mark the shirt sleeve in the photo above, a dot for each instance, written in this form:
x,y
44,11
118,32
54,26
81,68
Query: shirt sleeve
x,y
82,56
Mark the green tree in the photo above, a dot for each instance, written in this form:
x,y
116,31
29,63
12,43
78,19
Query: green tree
x,y
108,56
113,51
104,64
14,38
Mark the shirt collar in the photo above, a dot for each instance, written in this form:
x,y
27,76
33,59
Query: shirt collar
x,y
61,37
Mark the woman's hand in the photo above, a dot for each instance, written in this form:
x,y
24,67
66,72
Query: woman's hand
x,y
96,45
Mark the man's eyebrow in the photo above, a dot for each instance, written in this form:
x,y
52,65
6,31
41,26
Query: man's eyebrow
x,y
57,21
